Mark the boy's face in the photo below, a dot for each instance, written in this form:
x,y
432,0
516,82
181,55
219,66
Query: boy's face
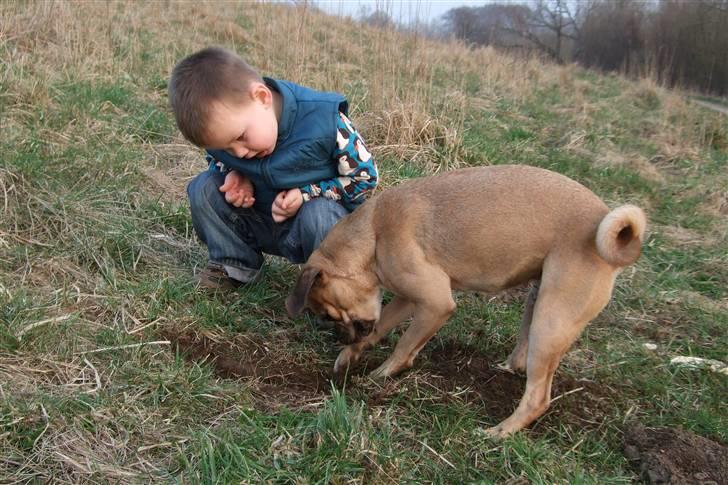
x,y
245,130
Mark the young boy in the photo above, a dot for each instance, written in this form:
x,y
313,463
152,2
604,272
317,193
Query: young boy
x,y
285,164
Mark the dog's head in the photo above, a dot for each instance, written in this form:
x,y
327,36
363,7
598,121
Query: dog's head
x,y
354,303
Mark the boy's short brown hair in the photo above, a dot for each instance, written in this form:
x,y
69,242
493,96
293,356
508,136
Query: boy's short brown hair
x,y
212,74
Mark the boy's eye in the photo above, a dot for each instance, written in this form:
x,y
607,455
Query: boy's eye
x,y
241,137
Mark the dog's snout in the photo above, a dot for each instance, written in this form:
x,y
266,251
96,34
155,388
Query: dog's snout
x,y
364,327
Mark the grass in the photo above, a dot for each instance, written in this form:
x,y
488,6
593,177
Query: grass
x,y
115,367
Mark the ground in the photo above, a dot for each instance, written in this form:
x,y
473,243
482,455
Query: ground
x,y
114,366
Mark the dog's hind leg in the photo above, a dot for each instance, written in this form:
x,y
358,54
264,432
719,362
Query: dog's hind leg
x,y
397,311
433,307
517,360
566,302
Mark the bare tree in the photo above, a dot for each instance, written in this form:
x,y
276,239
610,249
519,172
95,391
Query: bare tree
x,y
679,41
550,24
493,24
689,43
612,35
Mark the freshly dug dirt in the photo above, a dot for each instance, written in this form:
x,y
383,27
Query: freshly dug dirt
x,y
451,371
462,372
674,456
274,379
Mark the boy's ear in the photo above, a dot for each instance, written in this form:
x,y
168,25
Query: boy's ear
x,y
261,93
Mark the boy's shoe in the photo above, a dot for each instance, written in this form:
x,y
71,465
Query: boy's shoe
x,y
215,276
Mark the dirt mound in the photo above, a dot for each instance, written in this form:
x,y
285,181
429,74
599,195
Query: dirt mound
x,y
462,372
274,378
666,455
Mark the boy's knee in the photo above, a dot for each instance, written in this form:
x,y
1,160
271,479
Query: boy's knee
x,y
320,215
200,188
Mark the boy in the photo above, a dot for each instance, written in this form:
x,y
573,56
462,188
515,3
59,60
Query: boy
x,y
285,164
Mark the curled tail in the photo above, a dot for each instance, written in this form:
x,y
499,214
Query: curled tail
x,y
620,235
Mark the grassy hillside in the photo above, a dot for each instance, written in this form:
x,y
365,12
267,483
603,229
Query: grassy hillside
x,y
114,366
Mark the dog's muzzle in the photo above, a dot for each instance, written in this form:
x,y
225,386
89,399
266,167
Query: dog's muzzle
x,y
363,327
354,332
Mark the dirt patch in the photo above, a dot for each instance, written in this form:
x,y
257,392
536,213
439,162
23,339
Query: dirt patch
x,y
666,455
274,378
460,372
683,237
165,185
451,372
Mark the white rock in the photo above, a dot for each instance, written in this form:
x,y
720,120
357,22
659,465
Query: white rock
x,y
695,362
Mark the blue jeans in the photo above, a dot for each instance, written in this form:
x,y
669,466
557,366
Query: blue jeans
x,y
237,237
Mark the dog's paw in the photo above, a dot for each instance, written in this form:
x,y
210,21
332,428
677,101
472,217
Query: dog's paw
x,y
378,374
494,433
346,359
506,366
388,369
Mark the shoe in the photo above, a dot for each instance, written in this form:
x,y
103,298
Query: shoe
x,y
214,276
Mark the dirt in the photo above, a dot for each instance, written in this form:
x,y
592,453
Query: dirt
x,y
675,456
274,379
461,372
450,372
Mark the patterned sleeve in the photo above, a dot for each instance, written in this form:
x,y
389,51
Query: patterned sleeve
x,y
356,166
215,165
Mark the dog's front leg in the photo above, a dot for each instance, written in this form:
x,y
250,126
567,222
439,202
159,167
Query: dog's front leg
x,y
398,310
429,317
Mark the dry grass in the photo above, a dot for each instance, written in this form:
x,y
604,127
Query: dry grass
x,y
95,243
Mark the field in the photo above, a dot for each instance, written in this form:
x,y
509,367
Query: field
x,y
115,367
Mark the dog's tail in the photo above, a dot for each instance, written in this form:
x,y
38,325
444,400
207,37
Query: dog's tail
x,y
620,235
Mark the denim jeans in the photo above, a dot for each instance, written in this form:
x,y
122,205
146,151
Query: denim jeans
x,y
237,237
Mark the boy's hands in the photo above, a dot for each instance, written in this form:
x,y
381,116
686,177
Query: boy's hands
x,y
286,204
238,190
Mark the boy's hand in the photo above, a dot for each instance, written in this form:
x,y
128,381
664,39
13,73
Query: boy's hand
x,y
238,190
286,204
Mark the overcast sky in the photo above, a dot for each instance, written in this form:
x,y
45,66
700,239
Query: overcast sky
x,y
403,11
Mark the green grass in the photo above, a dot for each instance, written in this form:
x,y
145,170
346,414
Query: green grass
x,y
96,259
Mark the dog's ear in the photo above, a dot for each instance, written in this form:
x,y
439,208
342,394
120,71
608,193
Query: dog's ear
x,y
296,301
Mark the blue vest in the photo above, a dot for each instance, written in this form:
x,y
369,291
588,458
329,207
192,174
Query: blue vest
x,y
305,146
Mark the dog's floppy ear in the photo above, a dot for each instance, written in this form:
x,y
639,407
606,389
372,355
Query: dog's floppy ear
x,y
296,301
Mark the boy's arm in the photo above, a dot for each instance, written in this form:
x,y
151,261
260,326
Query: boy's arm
x,y
356,166
214,164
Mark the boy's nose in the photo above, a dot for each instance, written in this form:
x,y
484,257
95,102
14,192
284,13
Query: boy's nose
x,y
239,151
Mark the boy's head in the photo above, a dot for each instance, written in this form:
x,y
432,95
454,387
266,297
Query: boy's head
x,y
220,102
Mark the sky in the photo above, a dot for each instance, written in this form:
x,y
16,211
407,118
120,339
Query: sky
x,y
402,11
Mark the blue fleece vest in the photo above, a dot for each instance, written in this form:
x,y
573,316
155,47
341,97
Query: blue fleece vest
x,y
304,148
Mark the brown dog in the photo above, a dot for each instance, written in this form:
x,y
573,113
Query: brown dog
x,y
483,229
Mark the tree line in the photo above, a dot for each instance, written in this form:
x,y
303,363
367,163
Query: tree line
x,y
678,42
683,42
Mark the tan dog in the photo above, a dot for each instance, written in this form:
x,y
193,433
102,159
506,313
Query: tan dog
x,y
483,229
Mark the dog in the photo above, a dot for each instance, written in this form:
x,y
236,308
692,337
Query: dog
x,y
483,229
